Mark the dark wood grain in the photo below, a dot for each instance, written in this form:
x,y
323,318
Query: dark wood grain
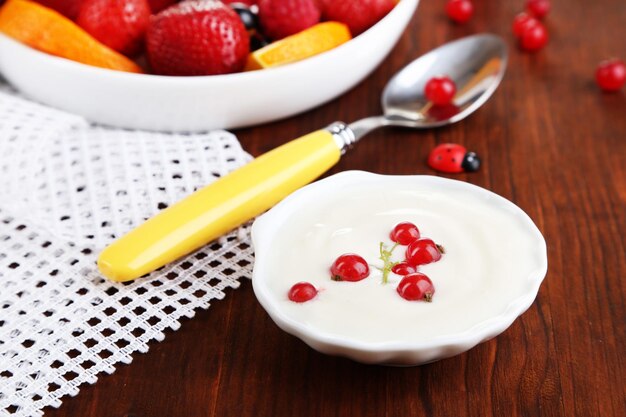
x,y
550,142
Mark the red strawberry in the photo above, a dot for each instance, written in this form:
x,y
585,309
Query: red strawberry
x,y
119,24
197,37
359,15
69,8
281,18
321,4
157,5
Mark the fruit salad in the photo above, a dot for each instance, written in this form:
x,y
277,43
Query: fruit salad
x,y
189,37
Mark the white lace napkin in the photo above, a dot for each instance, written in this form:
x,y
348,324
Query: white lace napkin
x,y
67,188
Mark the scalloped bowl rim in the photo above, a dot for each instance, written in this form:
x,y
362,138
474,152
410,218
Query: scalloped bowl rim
x,y
262,235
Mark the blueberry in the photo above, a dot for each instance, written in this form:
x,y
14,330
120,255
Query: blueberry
x,y
471,162
248,17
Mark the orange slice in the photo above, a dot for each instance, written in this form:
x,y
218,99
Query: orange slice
x,y
48,31
312,41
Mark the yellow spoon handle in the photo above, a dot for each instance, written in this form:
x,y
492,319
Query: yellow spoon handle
x,y
221,206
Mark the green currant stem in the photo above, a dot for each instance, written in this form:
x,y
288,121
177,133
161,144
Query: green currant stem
x,y
388,264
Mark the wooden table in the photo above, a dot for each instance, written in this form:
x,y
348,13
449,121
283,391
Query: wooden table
x,y
551,143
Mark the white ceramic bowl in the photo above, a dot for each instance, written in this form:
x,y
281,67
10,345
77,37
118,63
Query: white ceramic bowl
x,y
152,102
485,309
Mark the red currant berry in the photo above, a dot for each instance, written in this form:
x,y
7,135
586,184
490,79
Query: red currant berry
x,y
538,8
611,75
404,233
422,252
459,11
521,22
403,268
534,37
415,287
302,292
440,90
349,267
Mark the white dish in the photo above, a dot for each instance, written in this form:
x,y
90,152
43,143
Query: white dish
x,y
494,263
152,102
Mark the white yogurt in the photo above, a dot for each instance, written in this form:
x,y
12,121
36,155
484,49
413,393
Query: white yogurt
x,y
490,255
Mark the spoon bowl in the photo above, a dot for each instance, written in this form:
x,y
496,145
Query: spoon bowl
x,y
476,64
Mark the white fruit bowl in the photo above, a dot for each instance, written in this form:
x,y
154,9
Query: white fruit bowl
x,y
152,102
494,262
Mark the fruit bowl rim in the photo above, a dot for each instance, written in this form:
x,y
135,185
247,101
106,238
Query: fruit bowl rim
x,y
403,6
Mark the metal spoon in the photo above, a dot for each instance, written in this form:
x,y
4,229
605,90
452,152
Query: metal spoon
x,y
476,64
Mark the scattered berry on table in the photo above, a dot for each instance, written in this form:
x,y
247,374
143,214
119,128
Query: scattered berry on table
x,y
281,18
404,233
349,267
359,15
459,11
453,158
302,292
538,8
440,90
416,287
521,22
197,37
403,268
119,24
422,252
611,74
533,37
